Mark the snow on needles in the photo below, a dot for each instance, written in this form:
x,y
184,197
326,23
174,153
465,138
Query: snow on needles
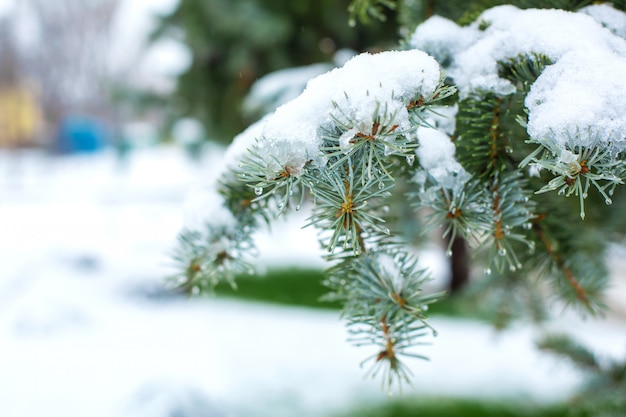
x,y
581,98
436,156
292,135
352,94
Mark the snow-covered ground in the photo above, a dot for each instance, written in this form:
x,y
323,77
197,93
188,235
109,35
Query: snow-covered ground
x,y
85,329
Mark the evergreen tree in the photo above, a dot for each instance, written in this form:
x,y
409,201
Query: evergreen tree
x,y
233,43
508,132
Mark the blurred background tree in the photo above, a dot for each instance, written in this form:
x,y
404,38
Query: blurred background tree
x,y
234,43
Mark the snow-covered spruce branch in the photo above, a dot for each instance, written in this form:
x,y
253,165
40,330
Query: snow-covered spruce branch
x,y
345,141
541,116
341,142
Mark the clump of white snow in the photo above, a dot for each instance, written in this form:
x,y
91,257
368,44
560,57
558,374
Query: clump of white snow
x,y
582,95
580,102
436,156
356,94
442,38
608,16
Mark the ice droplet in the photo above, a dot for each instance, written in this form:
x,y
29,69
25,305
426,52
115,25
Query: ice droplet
x,y
386,231
608,201
527,226
512,268
449,253
424,307
385,209
258,190
487,271
290,192
298,207
410,159
381,185
502,252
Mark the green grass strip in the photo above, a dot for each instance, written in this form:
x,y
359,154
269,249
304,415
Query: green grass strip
x,y
294,287
303,288
457,407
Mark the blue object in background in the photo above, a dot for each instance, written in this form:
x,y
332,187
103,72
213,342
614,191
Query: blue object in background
x,y
77,134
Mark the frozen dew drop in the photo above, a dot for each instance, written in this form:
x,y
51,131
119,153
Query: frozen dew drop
x,y
608,201
424,307
381,185
449,253
290,192
298,207
585,195
435,333
512,268
527,226
281,205
385,209
410,159
487,271
562,191
258,190
502,252
386,231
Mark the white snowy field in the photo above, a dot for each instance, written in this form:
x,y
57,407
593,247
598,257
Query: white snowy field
x,y
86,330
